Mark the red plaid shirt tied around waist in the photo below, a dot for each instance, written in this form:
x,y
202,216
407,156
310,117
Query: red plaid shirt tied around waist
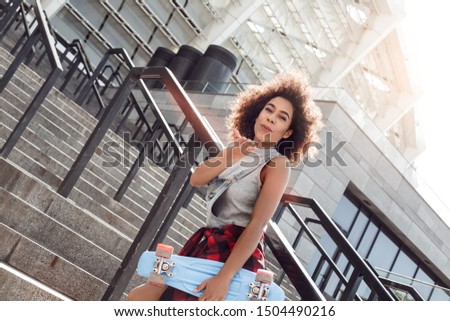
x,y
215,244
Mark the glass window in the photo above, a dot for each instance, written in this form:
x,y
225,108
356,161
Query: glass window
x,y
330,248
405,267
344,214
383,252
358,229
440,295
423,285
367,240
331,285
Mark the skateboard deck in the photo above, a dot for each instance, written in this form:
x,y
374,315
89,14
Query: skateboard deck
x,y
186,273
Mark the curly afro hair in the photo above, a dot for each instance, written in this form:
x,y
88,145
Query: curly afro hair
x,y
307,117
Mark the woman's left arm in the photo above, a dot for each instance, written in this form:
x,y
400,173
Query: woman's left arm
x,y
274,185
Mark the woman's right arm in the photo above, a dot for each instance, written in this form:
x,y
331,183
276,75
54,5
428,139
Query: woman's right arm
x,y
211,168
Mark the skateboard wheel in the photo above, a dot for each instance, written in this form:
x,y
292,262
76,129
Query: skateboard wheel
x,y
264,276
164,251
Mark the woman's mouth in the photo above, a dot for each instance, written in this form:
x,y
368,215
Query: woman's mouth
x,y
266,129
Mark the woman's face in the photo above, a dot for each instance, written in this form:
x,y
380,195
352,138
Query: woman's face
x,y
274,121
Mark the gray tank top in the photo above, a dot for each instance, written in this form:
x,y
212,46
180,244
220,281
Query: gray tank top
x,y
236,204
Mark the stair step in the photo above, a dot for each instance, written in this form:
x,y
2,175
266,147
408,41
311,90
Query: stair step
x,y
17,286
66,154
79,240
56,237
65,212
34,260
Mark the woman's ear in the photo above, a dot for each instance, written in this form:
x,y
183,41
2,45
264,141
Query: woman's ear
x,y
288,133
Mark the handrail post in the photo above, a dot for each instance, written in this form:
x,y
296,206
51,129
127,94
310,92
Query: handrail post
x,y
84,92
41,30
97,134
9,18
20,57
156,219
29,113
292,266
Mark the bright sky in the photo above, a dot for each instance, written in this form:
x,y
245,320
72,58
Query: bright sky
x,y
426,28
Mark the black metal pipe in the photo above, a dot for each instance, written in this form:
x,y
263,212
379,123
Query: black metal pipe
x,y
98,133
294,269
155,220
344,245
29,113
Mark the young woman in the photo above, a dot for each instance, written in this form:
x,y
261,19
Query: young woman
x,y
273,124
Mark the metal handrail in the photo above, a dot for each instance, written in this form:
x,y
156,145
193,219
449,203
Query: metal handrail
x,y
8,19
292,267
136,76
362,270
173,194
77,46
43,32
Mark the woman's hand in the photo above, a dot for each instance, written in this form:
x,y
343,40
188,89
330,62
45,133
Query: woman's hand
x,y
242,146
212,167
216,289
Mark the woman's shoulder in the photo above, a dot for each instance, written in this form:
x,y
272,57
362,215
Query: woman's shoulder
x,y
278,165
279,160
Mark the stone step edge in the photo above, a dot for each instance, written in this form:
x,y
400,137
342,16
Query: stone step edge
x,y
147,171
34,282
16,250
70,206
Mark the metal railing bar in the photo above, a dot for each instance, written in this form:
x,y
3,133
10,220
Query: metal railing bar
x,y
314,240
370,277
292,266
156,219
98,133
49,47
8,19
43,32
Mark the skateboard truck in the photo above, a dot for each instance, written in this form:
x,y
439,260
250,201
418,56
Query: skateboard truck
x,y
259,291
163,252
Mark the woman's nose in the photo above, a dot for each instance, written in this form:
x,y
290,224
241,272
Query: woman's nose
x,y
271,118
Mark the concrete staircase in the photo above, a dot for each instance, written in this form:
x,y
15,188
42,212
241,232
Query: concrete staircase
x,y
72,246
56,248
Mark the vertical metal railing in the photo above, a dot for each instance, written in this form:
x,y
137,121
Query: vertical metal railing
x,y
362,271
41,32
176,188
8,17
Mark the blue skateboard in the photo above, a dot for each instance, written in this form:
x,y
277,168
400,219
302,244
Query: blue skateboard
x,y
161,267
